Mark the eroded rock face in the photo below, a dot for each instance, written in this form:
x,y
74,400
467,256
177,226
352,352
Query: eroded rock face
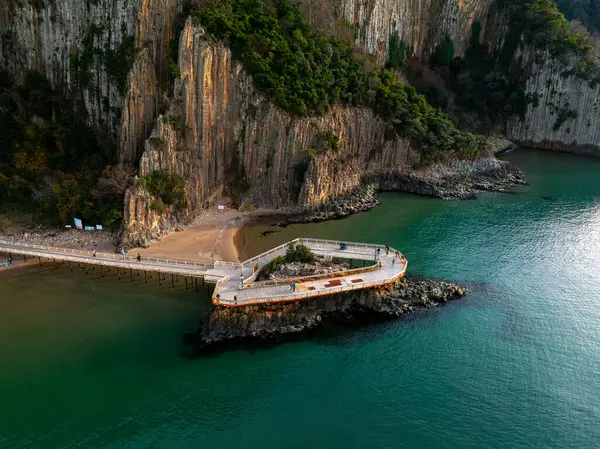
x,y
143,223
420,24
568,111
229,324
53,37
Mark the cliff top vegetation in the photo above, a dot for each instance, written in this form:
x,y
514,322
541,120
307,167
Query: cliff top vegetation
x,y
586,11
305,73
487,85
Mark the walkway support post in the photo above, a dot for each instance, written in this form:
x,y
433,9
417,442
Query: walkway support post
x,y
172,281
145,279
40,261
102,270
196,281
185,277
159,283
131,273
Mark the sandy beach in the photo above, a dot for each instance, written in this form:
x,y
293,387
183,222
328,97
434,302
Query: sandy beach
x,y
213,234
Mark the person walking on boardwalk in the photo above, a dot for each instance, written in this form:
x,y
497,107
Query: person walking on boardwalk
x,y
94,253
139,257
387,249
377,253
123,251
393,262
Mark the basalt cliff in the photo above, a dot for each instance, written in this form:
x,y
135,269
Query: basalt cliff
x,y
205,120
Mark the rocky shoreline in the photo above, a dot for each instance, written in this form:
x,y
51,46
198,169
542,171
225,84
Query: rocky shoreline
x,y
229,326
65,238
458,180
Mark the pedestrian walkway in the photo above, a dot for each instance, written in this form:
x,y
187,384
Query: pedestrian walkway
x,y
235,281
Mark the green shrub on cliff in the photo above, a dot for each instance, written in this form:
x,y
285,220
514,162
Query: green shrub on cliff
x,y
544,26
305,73
167,187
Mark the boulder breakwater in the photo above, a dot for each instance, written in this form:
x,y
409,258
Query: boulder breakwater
x,y
228,326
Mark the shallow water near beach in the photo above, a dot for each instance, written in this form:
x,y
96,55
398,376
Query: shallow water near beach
x,y
97,362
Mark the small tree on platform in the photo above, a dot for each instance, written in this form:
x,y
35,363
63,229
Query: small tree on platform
x,y
299,253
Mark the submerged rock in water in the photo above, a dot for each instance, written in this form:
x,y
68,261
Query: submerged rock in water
x,y
226,325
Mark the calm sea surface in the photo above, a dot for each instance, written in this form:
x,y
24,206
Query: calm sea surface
x,y
87,362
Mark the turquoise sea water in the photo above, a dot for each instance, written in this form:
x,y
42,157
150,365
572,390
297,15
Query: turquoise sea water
x,y
89,362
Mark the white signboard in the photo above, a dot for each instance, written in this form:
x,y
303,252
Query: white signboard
x,y
89,228
221,207
99,227
68,226
78,223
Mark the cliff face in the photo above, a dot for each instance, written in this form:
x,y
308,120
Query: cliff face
x,y
421,24
566,117
107,53
568,111
220,133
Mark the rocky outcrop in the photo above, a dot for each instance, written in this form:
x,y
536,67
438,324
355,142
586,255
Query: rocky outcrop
x,y
144,224
457,179
226,325
567,113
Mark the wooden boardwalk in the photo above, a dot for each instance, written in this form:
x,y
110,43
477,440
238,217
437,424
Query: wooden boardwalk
x,y
234,281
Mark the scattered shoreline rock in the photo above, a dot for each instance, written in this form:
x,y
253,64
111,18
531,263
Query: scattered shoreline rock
x,y
229,326
66,238
360,199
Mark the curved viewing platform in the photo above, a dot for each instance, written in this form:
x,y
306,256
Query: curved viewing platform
x,y
235,281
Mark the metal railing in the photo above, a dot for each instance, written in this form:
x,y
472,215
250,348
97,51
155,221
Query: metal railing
x,y
267,253
312,293
8,246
